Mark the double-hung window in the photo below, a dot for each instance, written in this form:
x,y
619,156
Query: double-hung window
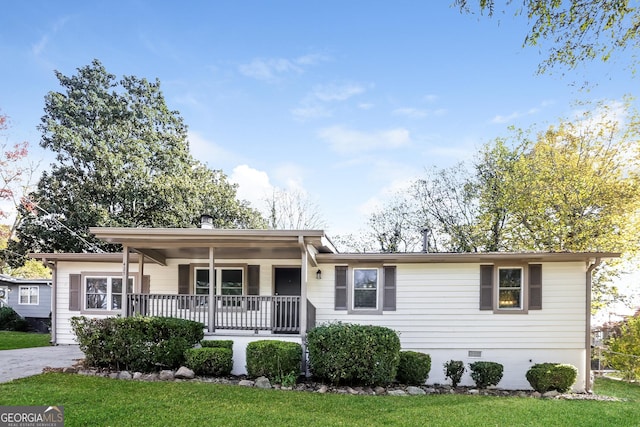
x,y
227,282
365,288
105,292
28,295
510,285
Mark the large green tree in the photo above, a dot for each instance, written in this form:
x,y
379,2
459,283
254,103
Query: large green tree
x,y
122,160
571,31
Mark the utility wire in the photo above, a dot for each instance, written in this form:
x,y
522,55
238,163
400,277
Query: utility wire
x,y
91,246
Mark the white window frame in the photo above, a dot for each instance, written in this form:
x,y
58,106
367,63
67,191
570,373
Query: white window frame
x,y
353,290
109,292
30,296
218,279
521,289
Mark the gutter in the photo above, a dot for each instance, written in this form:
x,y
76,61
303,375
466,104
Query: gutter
x,y
593,264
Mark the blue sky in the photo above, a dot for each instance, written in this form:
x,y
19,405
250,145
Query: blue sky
x,y
345,100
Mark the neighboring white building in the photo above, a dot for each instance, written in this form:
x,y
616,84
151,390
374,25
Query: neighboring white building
x,y
517,309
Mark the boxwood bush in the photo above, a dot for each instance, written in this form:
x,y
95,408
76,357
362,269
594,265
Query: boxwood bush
x,y
544,377
217,344
486,374
350,353
214,361
143,344
413,368
273,359
454,369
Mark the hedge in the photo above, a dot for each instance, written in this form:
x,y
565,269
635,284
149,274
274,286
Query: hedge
x,y
143,344
213,361
273,359
11,321
544,377
350,353
413,368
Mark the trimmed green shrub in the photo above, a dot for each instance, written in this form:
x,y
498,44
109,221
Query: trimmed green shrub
x,y
273,359
11,321
213,361
217,344
544,377
143,344
413,368
454,369
350,353
486,374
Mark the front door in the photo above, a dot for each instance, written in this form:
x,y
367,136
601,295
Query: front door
x,y
286,310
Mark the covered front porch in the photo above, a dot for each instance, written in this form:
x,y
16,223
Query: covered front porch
x,y
232,281
251,313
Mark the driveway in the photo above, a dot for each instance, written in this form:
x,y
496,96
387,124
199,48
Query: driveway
x,y
25,362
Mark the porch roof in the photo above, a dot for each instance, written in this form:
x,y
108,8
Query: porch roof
x,y
158,244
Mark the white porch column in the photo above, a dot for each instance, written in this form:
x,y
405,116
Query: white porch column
x,y
140,273
212,290
125,279
304,267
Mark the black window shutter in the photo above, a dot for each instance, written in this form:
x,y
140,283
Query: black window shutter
x,y
389,295
341,288
74,292
535,286
253,285
486,287
183,279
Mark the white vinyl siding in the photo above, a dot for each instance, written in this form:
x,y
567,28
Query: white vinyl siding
x,y
437,312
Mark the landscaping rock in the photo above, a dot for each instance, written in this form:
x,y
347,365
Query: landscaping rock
x,y
125,375
151,377
550,394
263,382
415,391
185,373
323,389
397,393
379,390
246,383
536,394
137,375
474,391
430,390
114,375
166,375
69,370
352,391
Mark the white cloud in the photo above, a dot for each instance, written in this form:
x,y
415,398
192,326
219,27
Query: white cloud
x,y
431,98
253,184
366,105
334,92
343,140
311,112
271,69
501,119
41,44
209,152
412,113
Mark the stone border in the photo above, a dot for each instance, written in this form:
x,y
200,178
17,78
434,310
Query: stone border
x,y
186,374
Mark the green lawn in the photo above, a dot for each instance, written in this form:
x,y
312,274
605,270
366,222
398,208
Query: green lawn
x,y
10,340
94,401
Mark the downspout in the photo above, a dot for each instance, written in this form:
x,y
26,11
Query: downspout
x,y
587,341
54,300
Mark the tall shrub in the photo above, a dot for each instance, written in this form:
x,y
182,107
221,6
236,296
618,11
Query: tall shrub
x,y
136,343
350,353
11,321
454,369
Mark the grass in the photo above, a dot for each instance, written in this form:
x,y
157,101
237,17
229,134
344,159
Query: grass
x,y
94,401
10,340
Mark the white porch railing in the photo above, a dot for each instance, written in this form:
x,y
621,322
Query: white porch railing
x,y
278,314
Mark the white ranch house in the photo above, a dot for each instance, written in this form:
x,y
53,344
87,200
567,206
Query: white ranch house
x,y
517,309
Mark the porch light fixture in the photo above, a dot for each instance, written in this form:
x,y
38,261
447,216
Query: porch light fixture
x,y
319,274
206,221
